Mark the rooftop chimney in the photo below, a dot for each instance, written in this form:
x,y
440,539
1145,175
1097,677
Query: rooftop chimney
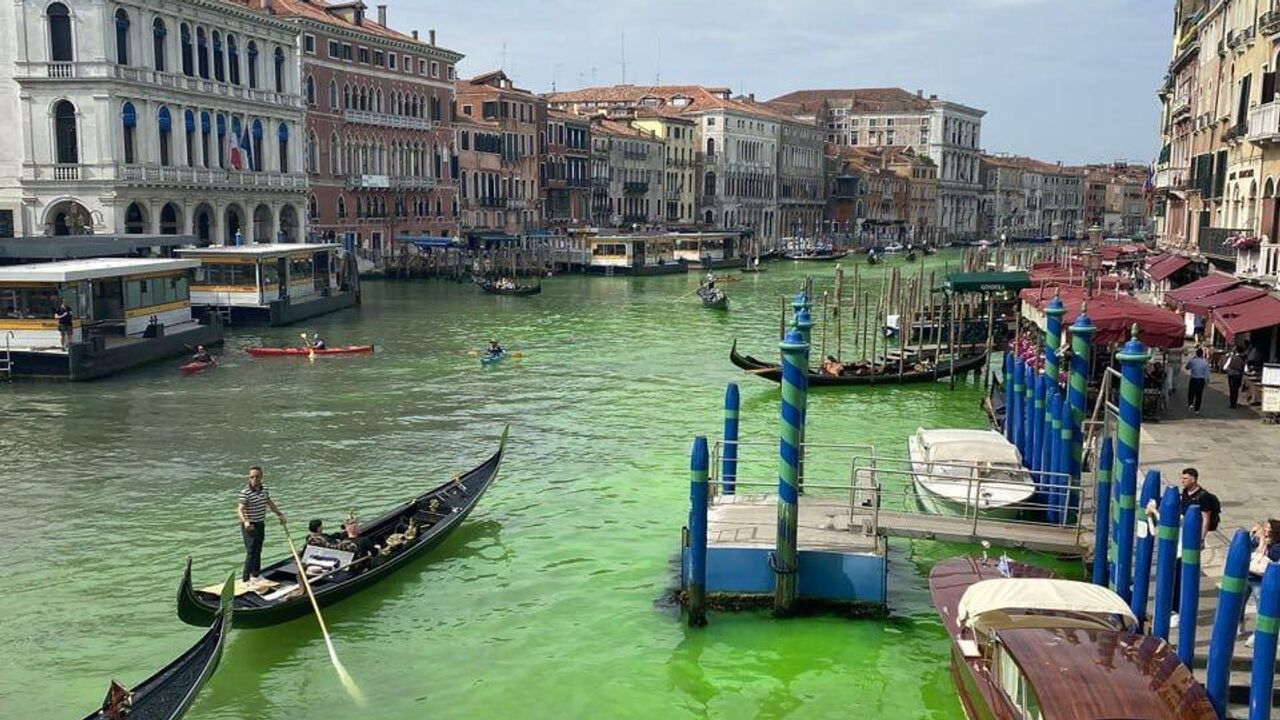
x,y
751,97
431,35
933,97
415,34
919,93
382,15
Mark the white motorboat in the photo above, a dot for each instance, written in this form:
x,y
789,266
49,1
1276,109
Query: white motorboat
x,y
893,249
957,471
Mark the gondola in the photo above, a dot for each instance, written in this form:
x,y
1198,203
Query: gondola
x,y
874,258
429,518
817,255
771,371
167,694
911,256
713,299
517,291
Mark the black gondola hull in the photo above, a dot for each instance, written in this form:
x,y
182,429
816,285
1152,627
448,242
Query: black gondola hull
x,y
771,371
195,609
517,291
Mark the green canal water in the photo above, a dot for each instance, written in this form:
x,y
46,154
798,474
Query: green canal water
x,y
546,603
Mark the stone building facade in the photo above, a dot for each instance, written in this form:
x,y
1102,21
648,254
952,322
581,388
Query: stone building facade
x,y
150,117
379,143
492,98
565,144
633,162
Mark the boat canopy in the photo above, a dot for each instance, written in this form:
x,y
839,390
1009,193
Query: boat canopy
x,y
970,446
1005,603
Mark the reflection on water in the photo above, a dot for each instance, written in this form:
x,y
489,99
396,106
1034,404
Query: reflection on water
x,y
542,604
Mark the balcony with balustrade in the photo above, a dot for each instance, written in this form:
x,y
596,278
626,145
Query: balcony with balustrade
x,y
635,187
391,182
38,71
400,122
197,178
1219,243
1264,123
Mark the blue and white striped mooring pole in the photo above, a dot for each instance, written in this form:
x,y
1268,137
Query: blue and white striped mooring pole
x,y
1028,413
805,325
1189,585
1226,621
1008,397
729,457
1262,682
1124,531
1146,546
1102,548
795,388
1038,421
1166,562
699,464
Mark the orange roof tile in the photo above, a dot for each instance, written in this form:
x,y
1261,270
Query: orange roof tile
x,y
862,99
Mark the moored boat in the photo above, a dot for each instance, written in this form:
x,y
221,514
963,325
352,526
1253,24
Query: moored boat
x,y
1027,645
167,694
817,255
412,529
893,249
280,351
884,373
958,472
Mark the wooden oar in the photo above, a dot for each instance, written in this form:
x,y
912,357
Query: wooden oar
x,y
689,293
347,682
311,351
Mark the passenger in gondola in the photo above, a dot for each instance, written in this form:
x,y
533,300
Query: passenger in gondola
x,y
316,535
494,349
356,544
832,367
202,355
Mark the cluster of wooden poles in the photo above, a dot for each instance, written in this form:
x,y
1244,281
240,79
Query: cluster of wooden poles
x,y
914,299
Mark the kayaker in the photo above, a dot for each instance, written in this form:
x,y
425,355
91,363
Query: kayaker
x,y
495,349
317,342
202,356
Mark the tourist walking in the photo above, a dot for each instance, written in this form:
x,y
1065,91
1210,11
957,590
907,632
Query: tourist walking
x,y
251,507
1234,368
1210,513
1198,370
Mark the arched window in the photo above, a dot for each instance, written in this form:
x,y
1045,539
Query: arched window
x,y
60,44
282,135
311,90
219,68
64,133
342,208
233,59
165,123
184,36
122,37
256,129
334,153
221,143
189,128
313,210
711,147
135,222
129,124
333,95
205,131
463,186
346,97
158,33
251,57
313,153
279,65
169,219
202,53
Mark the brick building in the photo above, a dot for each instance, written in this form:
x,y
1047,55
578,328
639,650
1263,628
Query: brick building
x,y
378,145
492,102
628,168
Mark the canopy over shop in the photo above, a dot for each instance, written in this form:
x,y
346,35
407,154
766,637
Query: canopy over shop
x,y
1114,316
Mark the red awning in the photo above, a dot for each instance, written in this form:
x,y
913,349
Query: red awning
x,y
1114,317
1207,285
1166,267
1262,312
1152,260
1115,252
1228,297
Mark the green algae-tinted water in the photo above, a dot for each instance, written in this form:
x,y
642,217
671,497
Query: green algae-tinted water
x,y
545,604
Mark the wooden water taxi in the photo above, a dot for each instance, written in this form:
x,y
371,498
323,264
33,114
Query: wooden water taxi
x,y
1028,646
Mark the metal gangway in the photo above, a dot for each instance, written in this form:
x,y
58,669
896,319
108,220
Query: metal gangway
x,y
852,489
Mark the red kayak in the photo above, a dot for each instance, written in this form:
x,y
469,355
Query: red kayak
x,y
275,352
194,367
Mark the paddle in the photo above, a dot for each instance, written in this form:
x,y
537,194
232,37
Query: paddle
x,y
690,293
518,354
311,351
347,682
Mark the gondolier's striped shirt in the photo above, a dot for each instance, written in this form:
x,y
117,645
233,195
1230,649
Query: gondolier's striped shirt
x,y
255,503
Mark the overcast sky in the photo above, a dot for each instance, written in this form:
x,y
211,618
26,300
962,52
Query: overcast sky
x,y
1071,80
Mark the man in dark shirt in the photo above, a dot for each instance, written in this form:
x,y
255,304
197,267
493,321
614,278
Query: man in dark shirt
x,y
1193,494
65,319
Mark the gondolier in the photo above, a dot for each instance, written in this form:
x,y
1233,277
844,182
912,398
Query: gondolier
x,y
251,507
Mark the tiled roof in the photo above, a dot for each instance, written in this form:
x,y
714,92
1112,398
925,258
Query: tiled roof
x,y
700,99
562,116
616,128
862,100
1030,164
321,11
